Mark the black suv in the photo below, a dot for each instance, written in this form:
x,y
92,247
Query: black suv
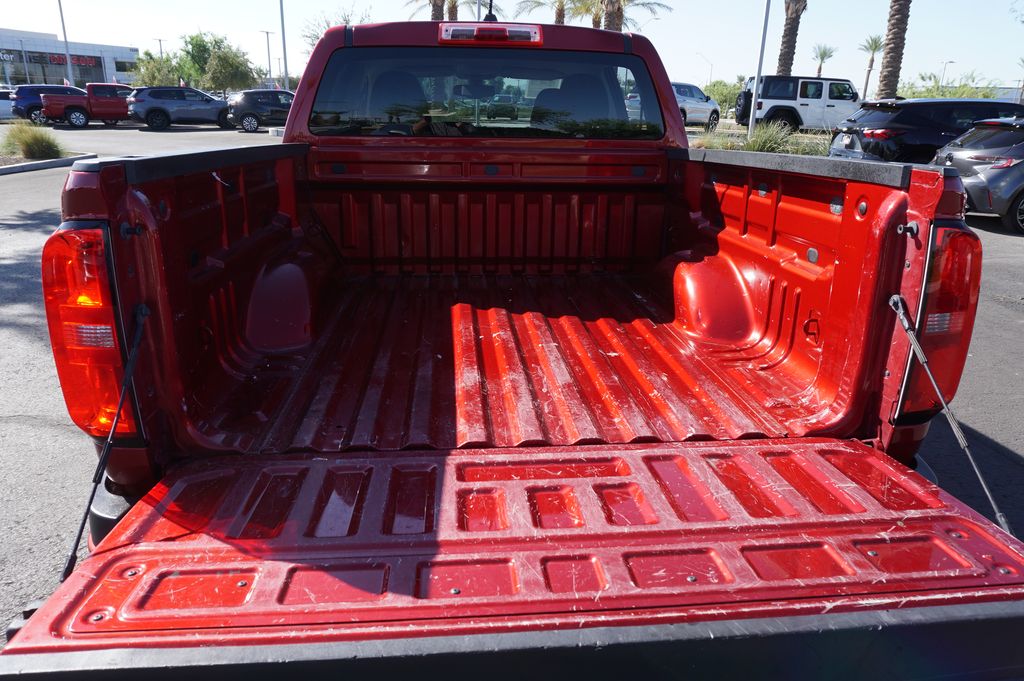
x,y
158,107
252,108
912,130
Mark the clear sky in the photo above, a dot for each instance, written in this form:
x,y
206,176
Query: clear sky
x,y
983,36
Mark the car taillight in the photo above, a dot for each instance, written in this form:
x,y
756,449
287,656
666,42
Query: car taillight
x,y
525,35
81,319
997,161
947,318
760,105
881,133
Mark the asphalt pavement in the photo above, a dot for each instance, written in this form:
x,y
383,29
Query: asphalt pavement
x,y
46,462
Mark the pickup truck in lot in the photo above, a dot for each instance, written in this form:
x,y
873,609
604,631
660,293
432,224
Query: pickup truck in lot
x,y
105,102
417,392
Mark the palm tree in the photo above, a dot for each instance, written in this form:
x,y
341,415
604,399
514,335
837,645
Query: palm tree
x,y
872,45
437,8
614,15
794,10
822,53
586,9
617,12
452,8
892,55
530,6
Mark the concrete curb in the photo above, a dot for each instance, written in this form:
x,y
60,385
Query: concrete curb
x,y
43,165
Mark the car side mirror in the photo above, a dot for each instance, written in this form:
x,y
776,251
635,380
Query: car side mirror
x,y
707,98
855,97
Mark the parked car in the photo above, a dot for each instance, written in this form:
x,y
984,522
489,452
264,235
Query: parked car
x,y
990,160
106,102
159,107
502,106
912,130
5,104
799,102
633,106
697,108
252,108
27,102
400,399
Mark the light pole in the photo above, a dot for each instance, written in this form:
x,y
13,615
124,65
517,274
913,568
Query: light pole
x,y
757,78
284,48
67,52
161,42
270,71
24,61
942,78
711,67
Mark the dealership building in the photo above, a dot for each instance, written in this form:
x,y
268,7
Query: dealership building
x,y
28,57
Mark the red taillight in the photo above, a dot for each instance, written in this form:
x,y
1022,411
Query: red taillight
x,y
998,161
526,35
83,331
947,320
881,133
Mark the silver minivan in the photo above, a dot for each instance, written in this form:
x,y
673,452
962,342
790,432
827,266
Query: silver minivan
x,y
697,108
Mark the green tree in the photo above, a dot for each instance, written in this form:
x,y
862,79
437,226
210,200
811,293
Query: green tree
x,y
822,53
531,6
152,70
787,50
872,45
725,93
892,54
969,86
228,68
196,51
586,9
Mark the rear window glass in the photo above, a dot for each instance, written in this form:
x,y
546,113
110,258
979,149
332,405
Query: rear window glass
x,y
875,115
778,88
992,137
447,92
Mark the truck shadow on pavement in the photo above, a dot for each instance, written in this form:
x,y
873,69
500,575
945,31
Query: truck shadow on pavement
x,y
21,297
992,224
1003,469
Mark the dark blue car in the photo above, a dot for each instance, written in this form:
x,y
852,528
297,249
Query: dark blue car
x,y
27,104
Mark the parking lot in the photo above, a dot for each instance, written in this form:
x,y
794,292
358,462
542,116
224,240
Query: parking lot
x,y
47,463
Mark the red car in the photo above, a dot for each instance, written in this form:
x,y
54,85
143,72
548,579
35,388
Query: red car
x,y
103,102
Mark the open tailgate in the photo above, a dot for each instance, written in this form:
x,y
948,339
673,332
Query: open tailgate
x,y
758,543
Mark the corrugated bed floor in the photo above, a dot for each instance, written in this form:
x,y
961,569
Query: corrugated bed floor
x,y
480,361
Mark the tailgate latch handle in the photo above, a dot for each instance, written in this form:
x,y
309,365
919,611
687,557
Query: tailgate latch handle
x,y
897,304
910,229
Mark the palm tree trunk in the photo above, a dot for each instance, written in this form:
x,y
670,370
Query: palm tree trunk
x,y
820,64
794,10
613,15
867,77
595,20
437,10
560,12
453,10
892,55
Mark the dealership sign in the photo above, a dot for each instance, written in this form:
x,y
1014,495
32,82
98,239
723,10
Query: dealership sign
x,y
77,60
6,56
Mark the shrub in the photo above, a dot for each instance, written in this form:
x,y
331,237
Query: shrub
x,y
811,145
31,141
772,137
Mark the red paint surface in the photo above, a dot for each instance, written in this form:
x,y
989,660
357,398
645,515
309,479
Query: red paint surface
x,y
243,561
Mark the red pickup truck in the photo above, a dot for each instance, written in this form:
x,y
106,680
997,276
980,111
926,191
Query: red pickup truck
x,y
105,102
421,393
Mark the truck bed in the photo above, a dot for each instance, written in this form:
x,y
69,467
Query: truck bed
x,y
290,549
474,361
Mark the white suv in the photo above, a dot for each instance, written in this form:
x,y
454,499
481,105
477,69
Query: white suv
x,y
799,102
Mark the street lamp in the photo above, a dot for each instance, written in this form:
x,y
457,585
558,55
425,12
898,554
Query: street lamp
x,y
757,78
270,71
67,52
711,67
284,48
942,78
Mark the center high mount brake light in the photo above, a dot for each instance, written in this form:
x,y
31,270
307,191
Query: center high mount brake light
x,y
485,33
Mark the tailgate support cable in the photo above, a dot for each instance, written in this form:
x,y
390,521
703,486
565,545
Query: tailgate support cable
x,y
141,312
897,304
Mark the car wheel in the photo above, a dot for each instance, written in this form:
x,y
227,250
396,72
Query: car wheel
x,y
110,123
222,120
37,116
78,118
1014,218
158,120
785,119
683,112
250,123
712,122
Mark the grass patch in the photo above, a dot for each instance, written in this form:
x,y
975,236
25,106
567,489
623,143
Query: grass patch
x,y
31,141
773,138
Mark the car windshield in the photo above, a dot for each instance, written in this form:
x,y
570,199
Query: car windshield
x,y
992,137
445,92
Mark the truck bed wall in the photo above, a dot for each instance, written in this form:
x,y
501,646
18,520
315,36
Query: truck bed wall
x,y
771,277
